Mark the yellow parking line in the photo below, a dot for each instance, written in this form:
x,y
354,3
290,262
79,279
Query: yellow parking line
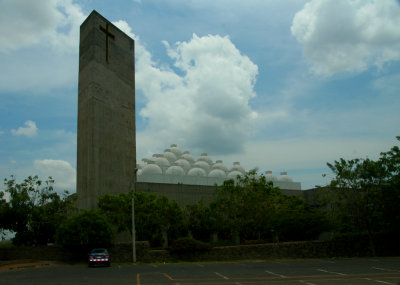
x,y
138,279
169,277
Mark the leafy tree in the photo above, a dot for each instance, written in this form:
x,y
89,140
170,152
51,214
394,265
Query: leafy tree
x,y
87,229
118,209
32,210
154,216
365,194
201,220
169,219
246,207
256,209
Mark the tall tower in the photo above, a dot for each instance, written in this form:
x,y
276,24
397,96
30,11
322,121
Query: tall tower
x,y
106,156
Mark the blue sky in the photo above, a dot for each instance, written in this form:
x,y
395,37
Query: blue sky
x,y
280,85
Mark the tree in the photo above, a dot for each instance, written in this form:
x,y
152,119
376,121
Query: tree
x,y
365,194
118,210
156,218
246,207
87,229
201,220
33,210
255,209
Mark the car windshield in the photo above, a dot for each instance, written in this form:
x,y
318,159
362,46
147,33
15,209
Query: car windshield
x,y
99,251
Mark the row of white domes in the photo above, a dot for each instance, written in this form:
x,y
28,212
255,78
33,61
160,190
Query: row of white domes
x,y
175,162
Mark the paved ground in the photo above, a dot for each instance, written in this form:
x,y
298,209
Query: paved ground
x,y
309,272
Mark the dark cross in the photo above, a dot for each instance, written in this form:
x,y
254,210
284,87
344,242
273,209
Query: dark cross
x,y
108,36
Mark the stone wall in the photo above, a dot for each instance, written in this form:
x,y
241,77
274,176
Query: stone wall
x,y
385,245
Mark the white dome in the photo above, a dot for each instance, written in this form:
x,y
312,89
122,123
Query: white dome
x,y
236,166
197,171
233,174
186,155
206,158
183,163
176,150
217,173
162,161
168,154
219,165
175,170
270,177
151,168
284,177
202,164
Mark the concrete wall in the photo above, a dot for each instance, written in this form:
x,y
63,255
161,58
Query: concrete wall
x,y
185,194
106,149
206,181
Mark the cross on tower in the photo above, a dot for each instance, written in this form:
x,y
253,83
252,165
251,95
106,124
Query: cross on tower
x,y
108,36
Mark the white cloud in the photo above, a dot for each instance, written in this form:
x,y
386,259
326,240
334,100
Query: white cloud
x,y
1,132
61,171
24,23
124,26
30,130
39,46
348,35
205,102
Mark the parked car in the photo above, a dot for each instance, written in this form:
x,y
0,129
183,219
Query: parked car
x,y
99,256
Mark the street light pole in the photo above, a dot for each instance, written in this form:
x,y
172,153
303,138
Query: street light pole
x,y
133,229
133,220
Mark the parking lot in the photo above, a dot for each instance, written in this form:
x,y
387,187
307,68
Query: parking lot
x,y
313,271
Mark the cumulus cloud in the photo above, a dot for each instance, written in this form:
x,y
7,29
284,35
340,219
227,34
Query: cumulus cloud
x,y
203,101
61,171
24,23
348,35
29,130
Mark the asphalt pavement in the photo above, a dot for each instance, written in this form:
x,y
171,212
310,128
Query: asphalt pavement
x,y
312,271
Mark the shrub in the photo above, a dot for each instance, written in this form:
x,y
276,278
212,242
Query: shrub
x,y
188,245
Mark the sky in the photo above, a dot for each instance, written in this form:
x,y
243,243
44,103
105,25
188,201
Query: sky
x,y
279,85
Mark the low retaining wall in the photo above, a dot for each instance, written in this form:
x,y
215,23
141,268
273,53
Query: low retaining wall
x,y
360,246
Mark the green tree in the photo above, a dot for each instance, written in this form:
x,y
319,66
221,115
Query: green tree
x,y
32,210
87,229
169,219
246,206
118,209
201,220
365,194
256,209
156,217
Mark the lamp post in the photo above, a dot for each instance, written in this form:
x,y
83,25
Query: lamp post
x,y
133,220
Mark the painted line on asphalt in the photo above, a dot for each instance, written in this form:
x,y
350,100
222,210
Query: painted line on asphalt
x,y
305,282
138,279
326,271
200,265
386,269
275,274
169,277
379,281
222,276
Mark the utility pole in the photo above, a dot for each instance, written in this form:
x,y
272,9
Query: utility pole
x,y
133,220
